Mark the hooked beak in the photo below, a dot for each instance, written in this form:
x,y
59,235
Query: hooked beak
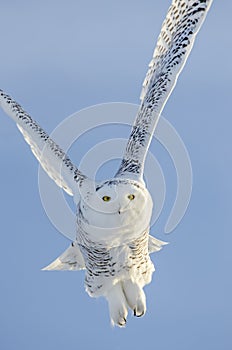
x,y
122,210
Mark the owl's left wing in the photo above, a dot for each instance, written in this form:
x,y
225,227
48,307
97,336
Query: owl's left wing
x,y
178,32
51,157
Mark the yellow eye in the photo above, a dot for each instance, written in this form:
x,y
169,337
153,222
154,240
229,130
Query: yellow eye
x,y
106,198
131,197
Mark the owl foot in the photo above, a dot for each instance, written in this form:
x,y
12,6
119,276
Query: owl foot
x,y
117,305
122,322
135,297
138,313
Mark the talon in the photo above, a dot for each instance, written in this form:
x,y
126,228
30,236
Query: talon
x,y
138,315
122,324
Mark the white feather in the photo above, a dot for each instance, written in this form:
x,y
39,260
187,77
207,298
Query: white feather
x,y
71,259
51,157
175,42
113,218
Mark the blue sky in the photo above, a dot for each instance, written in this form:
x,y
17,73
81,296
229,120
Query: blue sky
x,y
59,57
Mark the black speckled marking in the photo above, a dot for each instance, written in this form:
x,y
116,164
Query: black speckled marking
x,y
102,262
116,182
182,22
38,139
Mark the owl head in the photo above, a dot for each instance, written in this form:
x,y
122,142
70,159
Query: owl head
x,y
116,205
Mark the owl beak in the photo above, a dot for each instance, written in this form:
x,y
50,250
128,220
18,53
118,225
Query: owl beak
x,y
122,210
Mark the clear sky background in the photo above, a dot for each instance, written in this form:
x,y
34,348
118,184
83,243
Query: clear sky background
x,y
58,57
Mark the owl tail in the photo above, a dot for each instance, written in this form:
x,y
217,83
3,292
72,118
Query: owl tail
x,y
71,259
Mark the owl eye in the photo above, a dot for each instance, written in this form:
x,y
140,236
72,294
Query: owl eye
x,y
131,197
106,198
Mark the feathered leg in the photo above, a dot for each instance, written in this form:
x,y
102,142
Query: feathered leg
x,y
135,297
117,305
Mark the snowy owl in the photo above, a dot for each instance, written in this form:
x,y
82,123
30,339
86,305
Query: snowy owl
x,y
112,243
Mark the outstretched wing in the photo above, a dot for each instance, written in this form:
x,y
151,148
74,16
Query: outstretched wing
x,y
178,32
51,157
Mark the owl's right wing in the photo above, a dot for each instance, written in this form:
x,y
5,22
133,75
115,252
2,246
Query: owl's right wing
x,y
51,157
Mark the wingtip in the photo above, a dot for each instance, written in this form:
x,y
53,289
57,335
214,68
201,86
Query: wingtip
x,y
53,266
165,243
45,269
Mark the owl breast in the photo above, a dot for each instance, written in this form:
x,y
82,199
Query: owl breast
x,y
105,266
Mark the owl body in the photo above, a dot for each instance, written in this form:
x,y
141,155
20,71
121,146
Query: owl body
x,y
105,266
113,218
113,234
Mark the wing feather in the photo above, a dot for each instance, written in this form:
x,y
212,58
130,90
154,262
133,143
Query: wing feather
x,y
155,245
51,157
71,259
178,32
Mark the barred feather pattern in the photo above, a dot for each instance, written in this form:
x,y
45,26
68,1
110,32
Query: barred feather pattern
x,y
106,266
51,157
113,242
183,20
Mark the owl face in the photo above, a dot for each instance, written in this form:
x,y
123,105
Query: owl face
x,y
117,205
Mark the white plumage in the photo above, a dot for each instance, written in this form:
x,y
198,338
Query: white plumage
x,y
112,241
